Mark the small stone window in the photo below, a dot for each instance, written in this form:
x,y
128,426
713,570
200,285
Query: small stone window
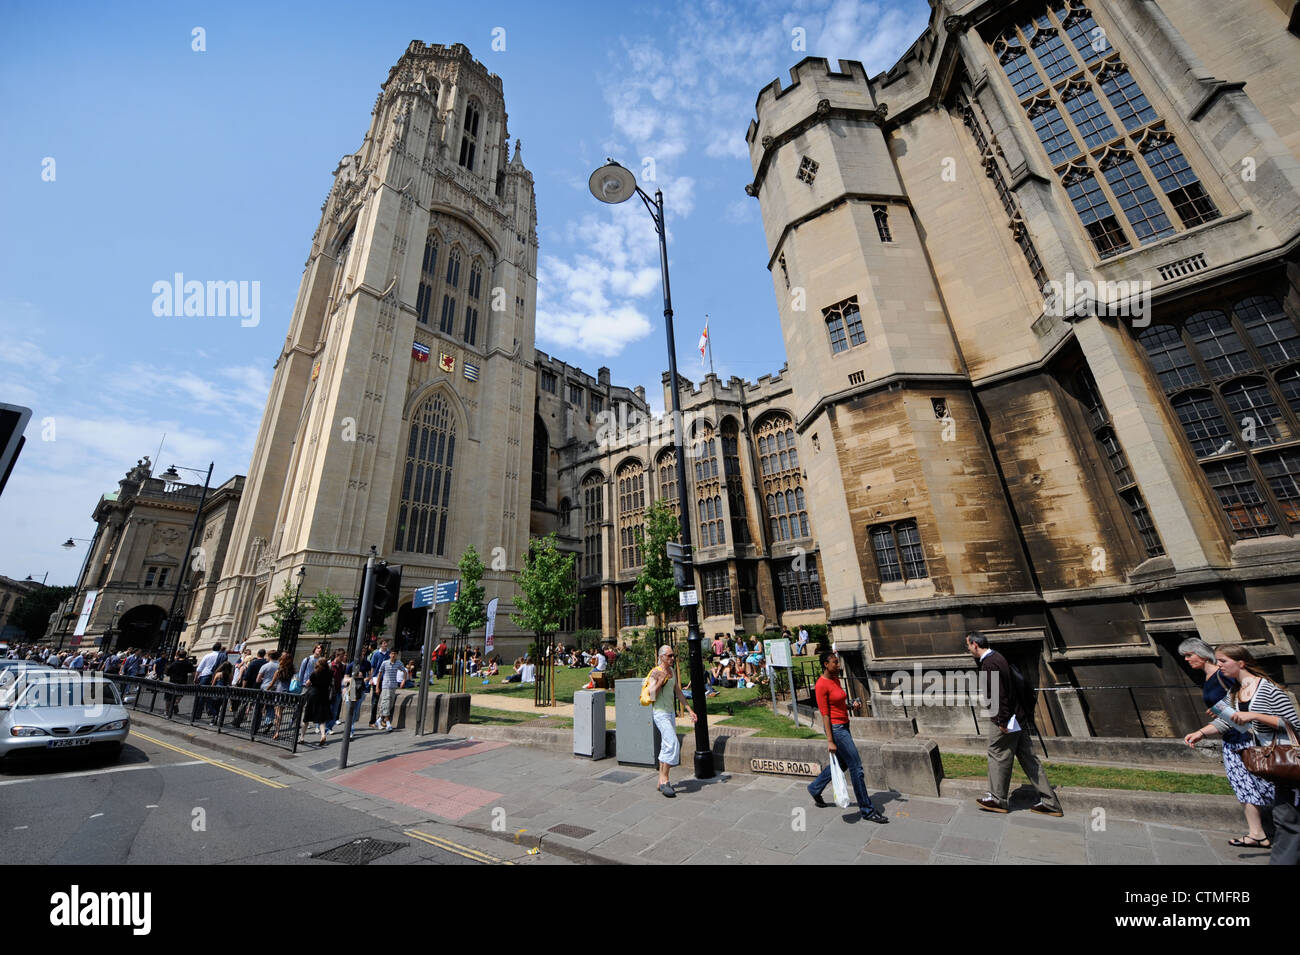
x,y
807,170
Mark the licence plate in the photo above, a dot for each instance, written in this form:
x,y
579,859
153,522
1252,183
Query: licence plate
x,y
58,743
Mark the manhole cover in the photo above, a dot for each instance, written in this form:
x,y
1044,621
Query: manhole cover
x,y
573,832
619,776
359,851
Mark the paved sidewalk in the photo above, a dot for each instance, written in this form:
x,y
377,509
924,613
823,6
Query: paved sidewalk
x,y
604,812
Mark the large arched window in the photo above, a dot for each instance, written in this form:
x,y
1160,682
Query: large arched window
x,y
666,465
593,515
631,513
469,135
428,279
541,459
778,461
447,320
735,483
473,294
425,506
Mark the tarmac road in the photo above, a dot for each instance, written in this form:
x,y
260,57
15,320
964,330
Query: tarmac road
x,y
164,803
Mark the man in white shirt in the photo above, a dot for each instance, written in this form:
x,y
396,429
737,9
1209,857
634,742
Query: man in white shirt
x,y
803,641
208,664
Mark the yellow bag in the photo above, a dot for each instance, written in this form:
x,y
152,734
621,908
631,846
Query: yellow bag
x,y
646,698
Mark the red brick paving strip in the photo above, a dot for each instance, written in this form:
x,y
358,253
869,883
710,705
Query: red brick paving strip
x,y
397,779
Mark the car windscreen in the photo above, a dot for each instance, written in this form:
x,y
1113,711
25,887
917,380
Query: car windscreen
x,y
45,690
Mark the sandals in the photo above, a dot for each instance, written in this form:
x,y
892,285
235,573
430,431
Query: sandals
x,y
1248,842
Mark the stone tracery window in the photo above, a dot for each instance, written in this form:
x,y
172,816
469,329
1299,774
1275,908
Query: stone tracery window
x,y
783,495
1083,92
593,516
427,475
1232,379
631,513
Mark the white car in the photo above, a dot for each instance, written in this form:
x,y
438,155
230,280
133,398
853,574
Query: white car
x,y
44,710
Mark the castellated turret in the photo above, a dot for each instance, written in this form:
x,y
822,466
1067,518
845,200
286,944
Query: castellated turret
x,y
841,236
888,427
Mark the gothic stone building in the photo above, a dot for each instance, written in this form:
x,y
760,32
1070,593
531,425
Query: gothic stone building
x,y
1038,289
399,413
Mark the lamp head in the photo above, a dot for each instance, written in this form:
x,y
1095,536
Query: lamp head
x,y
69,544
612,183
171,474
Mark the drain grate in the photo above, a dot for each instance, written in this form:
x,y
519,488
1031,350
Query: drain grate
x,y
359,851
573,832
619,776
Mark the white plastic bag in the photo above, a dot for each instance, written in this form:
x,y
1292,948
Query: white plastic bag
x,y
839,785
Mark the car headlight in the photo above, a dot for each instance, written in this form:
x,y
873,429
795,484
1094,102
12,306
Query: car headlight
x,y
115,725
27,731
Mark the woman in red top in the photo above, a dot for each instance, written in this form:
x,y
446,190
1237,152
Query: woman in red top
x,y
834,706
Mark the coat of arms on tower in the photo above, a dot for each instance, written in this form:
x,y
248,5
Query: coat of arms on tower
x,y
446,362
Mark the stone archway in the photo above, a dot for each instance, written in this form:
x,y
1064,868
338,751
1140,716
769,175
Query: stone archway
x,y
142,627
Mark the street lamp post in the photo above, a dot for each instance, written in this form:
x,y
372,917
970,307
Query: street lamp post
x,y
292,623
70,544
614,183
174,626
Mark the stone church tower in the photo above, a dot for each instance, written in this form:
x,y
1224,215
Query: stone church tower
x,y
426,249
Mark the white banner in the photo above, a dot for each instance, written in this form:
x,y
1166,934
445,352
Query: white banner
x,y
488,646
84,620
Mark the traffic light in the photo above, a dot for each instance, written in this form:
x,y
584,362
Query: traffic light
x,y
386,591
678,553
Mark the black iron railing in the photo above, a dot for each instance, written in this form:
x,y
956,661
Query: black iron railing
x,y
262,716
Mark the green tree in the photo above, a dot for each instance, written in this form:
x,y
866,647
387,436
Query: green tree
x,y
547,590
326,614
32,611
283,604
467,612
654,591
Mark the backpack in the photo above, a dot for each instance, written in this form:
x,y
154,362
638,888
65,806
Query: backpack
x,y
646,698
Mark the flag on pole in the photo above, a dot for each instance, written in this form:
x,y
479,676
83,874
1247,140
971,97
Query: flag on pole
x,y
704,340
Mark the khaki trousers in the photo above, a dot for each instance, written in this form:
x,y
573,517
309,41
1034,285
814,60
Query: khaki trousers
x,y
1004,750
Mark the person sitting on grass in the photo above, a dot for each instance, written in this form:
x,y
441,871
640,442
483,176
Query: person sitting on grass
x,y
519,671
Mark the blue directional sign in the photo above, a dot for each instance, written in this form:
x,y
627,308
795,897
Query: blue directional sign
x,y
442,593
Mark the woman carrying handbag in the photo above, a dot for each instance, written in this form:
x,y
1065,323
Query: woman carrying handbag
x,y
1260,706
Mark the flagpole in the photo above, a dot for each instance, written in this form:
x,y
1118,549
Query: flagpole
x,y
708,343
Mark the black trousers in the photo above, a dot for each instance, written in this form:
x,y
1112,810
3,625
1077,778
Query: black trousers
x,y
1286,829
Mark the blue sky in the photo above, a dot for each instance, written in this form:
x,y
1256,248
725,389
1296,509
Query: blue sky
x,y
215,164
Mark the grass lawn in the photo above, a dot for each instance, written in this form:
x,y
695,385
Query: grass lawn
x,y
566,682
761,718
958,765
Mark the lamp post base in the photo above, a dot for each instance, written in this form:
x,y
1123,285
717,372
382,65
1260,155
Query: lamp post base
x,y
704,764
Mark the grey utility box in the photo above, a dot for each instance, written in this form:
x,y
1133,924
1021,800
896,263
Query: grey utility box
x,y
635,728
589,723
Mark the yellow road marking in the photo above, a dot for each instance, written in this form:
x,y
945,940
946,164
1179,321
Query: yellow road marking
x,y
214,762
457,848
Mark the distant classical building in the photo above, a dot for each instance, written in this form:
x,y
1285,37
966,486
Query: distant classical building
x,y
129,577
11,592
1038,288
